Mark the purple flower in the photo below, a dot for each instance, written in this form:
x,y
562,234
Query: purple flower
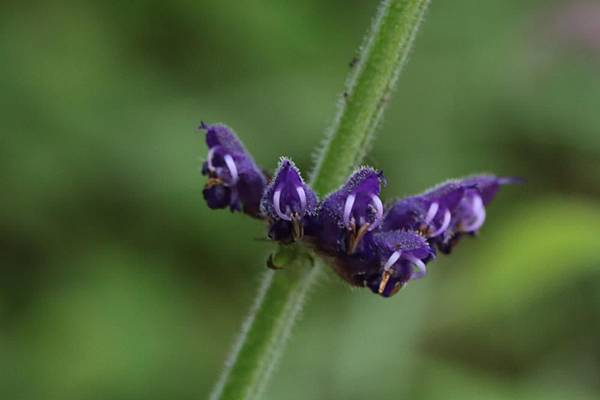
x,y
351,213
234,180
470,213
288,202
429,213
447,211
402,257
366,245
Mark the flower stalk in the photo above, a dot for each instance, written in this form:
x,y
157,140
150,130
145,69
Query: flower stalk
x,y
282,293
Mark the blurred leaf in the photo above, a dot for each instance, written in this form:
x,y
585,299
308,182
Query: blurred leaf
x,y
446,380
539,248
361,346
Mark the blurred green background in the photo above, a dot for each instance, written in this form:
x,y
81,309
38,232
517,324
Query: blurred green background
x,y
117,282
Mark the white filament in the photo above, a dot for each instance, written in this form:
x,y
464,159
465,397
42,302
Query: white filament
x,y
232,168
302,196
445,224
479,212
432,212
378,211
209,158
276,200
348,208
420,265
392,260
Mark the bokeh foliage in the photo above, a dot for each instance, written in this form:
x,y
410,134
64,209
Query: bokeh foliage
x,y
117,282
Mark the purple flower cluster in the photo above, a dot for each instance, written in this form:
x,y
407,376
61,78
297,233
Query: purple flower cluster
x,y
369,244
234,180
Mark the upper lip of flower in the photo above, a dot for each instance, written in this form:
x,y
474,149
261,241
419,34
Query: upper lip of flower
x,y
356,206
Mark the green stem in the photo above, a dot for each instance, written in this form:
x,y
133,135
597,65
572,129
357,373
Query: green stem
x,y
368,91
264,333
282,293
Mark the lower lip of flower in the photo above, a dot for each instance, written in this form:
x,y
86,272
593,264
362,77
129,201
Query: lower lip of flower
x,y
418,273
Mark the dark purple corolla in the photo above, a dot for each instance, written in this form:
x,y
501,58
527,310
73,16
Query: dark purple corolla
x,y
402,242
429,213
288,203
447,211
366,244
349,214
234,180
469,215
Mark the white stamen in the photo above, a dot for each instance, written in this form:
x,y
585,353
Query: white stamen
x,y
445,224
432,212
209,158
421,269
302,196
378,211
392,260
348,208
479,212
232,168
276,199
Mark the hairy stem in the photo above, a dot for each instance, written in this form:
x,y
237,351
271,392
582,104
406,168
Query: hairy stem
x,y
368,90
282,293
264,333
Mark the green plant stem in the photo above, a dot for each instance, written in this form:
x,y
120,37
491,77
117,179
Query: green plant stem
x,y
264,333
282,293
368,91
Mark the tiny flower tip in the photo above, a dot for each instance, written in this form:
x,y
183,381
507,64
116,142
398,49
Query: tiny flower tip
x,y
367,172
511,180
382,178
286,161
488,185
287,170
